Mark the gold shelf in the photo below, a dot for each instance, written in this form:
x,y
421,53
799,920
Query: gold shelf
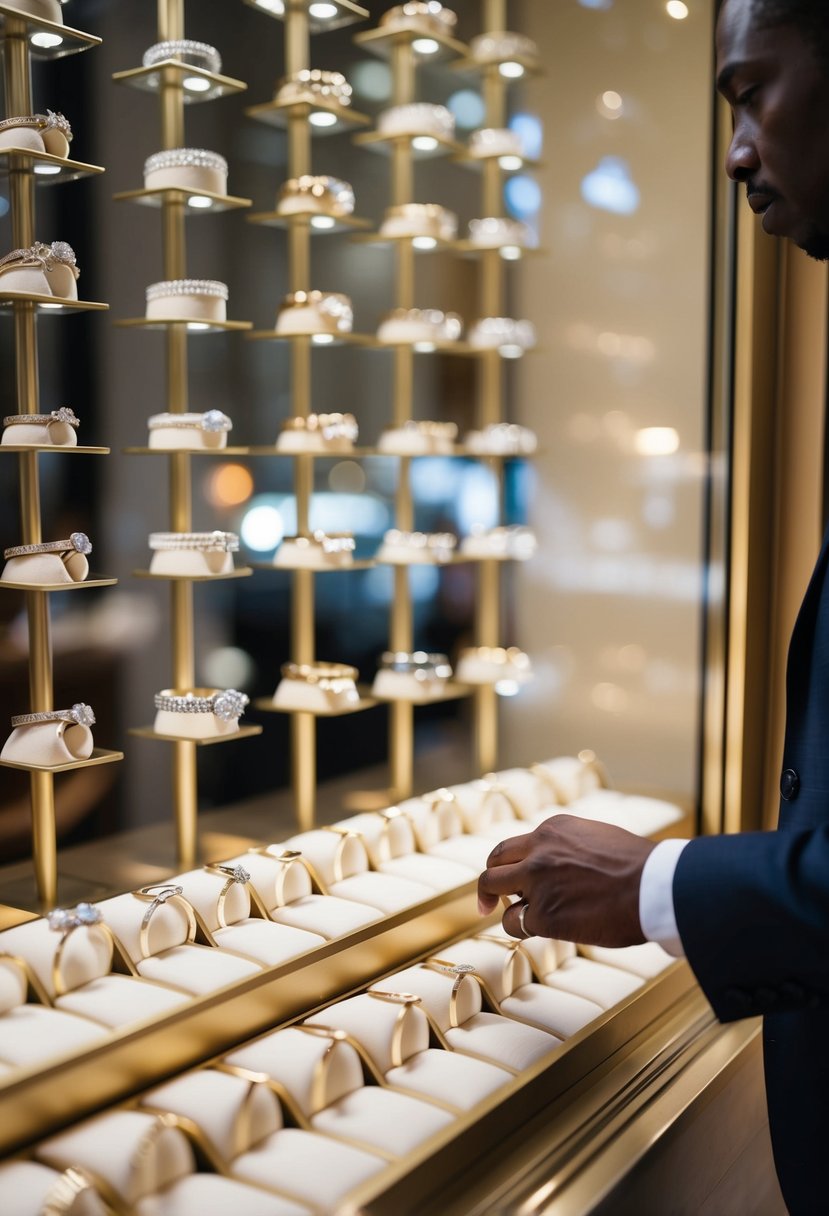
x,y
147,732
347,13
24,160
71,41
239,572
99,756
383,42
376,238
270,335
174,194
172,73
367,564
277,114
528,165
147,451
376,141
531,66
78,449
10,300
196,325
470,249
274,451
451,692
266,705
343,223
87,582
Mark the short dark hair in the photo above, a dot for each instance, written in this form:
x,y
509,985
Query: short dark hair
x,y
810,16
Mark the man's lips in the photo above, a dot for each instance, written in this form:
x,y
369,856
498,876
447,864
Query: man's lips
x,y
759,202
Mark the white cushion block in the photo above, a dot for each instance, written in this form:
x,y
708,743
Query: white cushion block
x,y
202,888
196,969
379,1118
478,805
117,1000
502,1041
603,985
427,824
471,851
571,777
437,873
382,891
210,1195
374,1024
646,960
435,991
602,805
296,1060
111,1147
12,986
562,1015
87,952
645,816
449,1077
332,856
224,1107
325,915
26,1186
266,874
501,968
31,1034
123,913
545,953
383,837
526,791
311,1168
266,942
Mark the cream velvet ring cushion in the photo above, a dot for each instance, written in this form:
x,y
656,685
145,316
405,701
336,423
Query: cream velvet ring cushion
x,y
212,1195
276,877
232,1114
13,982
325,915
79,961
310,1168
42,569
389,1032
382,1120
646,960
391,844
448,997
528,794
172,958
481,806
502,1041
30,1189
448,1077
544,953
438,827
506,975
48,743
309,1071
604,986
221,897
32,1034
569,777
342,862
129,1152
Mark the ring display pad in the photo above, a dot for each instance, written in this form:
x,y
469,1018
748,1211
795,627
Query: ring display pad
x,y
312,443
391,845
301,696
293,554
438,828
31,1189
171,956
342,863
406,686
186,439
45,569
48,744
192,563
40,434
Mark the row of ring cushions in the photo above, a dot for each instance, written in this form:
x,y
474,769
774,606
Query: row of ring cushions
x,y
349,1129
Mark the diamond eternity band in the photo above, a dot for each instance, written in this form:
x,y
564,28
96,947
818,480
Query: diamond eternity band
x,y
204,542
227,704
78,541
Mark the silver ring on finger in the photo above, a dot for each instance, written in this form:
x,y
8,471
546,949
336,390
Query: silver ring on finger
x,y
522,912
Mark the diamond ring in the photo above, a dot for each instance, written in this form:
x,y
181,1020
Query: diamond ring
x,y
79,715
65,921
211,421
227,704
233,874
64,414
158,894
78,541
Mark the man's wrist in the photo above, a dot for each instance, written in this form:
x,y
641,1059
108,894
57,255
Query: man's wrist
x,y
656,899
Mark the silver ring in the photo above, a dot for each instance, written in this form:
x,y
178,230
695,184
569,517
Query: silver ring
x,y
79,715
522,912
64,414
78,541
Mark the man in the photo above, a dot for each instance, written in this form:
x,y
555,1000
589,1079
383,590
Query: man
x,y
750,912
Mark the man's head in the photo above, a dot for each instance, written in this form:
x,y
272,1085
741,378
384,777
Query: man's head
x,y
773,69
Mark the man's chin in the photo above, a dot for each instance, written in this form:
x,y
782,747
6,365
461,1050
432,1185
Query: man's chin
x,y
815,244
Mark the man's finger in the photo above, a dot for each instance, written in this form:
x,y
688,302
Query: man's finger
x,y
517,920
503,880
511,850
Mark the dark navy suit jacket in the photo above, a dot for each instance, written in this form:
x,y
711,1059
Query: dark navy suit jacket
x,y
753,916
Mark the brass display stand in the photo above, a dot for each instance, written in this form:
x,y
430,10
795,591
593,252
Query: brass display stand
x,y
23,38
169,81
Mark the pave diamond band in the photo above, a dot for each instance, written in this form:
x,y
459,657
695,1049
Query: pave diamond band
x,y
186,287
337,193
212,421
157,895
80,714
203,542
185,50
327,542
64,414
417,663
327,86
227,704
78,542
50,121
59,253
180,158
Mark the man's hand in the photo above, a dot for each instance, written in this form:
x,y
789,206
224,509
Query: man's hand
x,y
578,879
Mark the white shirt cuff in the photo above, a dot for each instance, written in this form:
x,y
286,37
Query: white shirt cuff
x,y
656,896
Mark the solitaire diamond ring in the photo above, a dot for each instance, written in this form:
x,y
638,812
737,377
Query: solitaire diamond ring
x,y
211,421
79,715
78,541
64,414
235,875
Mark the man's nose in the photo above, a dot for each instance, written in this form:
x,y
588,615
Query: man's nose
x,y
741,161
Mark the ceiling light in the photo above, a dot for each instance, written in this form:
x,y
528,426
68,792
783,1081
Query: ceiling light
x,y
677,9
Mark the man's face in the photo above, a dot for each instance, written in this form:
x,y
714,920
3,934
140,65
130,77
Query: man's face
x,y
779,96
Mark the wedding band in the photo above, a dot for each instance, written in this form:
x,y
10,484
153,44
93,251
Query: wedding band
x,y
233,874
184,158
333,306
417,118
318,673
509,337
185,50
440,546
418,663
522,912
50,121
328,542
330,426
210,421
159,894
338,194
227,704
59,253
79,715
327,85
405,1000
459,971
345,834
203,542
503,45
64,414
62,1195
78,541
492,231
